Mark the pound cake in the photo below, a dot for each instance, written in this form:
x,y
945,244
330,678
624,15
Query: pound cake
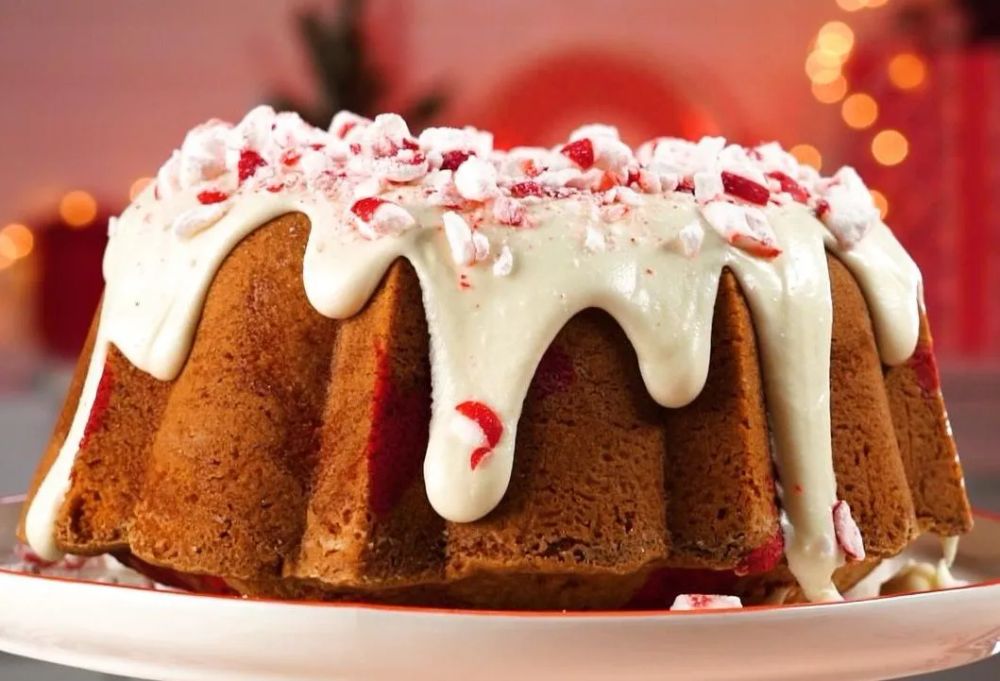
x,y
359,364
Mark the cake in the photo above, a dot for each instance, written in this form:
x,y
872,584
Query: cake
x,y
358,364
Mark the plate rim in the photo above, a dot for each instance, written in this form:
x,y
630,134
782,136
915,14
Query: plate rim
x,y
991,516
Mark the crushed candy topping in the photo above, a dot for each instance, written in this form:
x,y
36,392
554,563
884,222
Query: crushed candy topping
x,y
848,534
706,602
461,171
490,428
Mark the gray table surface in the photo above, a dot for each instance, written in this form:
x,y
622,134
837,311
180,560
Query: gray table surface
x,y
973,401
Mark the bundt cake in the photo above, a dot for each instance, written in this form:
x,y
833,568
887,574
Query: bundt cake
x,y
359,364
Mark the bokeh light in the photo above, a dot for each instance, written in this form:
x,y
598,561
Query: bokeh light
x,y
21,237
830,93
835,38
808,154
890,147
821,70
859,110
78,209
851,5
907,70
881,202
8,249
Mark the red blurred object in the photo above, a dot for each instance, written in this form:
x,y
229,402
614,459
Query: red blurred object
x,y
540,103
944,198
70,282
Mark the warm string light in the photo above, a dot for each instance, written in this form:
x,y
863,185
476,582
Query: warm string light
x,y
16,242
907,71
859,110
890,147
831,49
881,202
857,5
808,154
830,93
78,209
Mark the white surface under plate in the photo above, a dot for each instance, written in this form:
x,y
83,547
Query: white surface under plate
x,y
176,636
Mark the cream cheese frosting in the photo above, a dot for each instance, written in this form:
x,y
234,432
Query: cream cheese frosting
x,y
508,246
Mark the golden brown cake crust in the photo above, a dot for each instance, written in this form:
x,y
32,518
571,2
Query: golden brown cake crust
x,y
285,458
870,474
926,446
720,482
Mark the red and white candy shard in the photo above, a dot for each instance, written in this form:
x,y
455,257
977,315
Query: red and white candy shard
x,y
745,227
437,142
594,240
345,122
375,217
458,169
467,246
478,427
689,239
504,264
706,602
708,186
191,222
508,211
851,210
848,534
476,180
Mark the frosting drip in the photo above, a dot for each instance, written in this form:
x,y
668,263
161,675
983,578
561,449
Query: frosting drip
x,y
651,260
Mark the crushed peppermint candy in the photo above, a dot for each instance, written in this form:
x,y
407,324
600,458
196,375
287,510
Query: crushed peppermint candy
x,y
377,217
706,602
191,222
742,226
849,537
467,246
850,210
490,429
504,264
476,179
689,239
459,169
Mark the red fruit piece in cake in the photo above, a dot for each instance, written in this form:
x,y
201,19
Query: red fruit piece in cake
x,y
102,400
555,373
925,368
397,440
764,558
745,188
849,537
580,152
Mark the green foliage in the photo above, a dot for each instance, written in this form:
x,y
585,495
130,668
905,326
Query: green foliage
x,y
345,76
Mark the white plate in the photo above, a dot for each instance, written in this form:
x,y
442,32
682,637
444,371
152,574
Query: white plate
x,y
177,636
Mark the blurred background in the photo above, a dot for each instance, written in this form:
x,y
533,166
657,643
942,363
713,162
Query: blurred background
x,y
95,96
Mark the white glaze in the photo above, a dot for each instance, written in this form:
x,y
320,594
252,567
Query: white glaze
x,y
489,332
